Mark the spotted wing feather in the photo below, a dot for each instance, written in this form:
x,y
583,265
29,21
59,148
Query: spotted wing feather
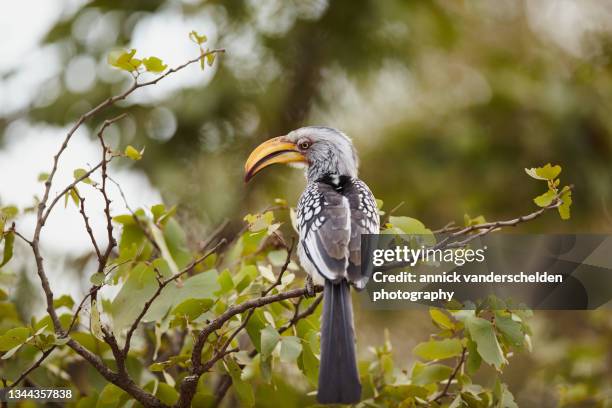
x,y
331,220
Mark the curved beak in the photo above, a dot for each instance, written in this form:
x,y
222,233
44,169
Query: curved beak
x,y
276,150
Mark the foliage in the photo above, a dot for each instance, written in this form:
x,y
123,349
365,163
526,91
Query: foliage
x,y
471,337
550,174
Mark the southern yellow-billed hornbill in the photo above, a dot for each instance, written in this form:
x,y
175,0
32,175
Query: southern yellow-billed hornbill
x,y
334,210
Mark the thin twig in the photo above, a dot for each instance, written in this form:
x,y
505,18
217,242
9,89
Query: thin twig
x,y
483,229
444,392
87,225
33,367
103,257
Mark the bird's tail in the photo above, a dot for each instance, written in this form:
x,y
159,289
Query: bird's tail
x,y
338,375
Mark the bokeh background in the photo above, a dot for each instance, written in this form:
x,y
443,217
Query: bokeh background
x,y
446,101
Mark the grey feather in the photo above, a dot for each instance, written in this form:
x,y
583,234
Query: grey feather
x,y
338,375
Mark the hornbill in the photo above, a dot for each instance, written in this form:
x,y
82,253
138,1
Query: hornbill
x,y
332,213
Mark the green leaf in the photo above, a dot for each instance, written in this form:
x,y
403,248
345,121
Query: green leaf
x,y
504,397
9,241
430,374
243,389
64,300
438,349
154,64
132,153
110,396
483,334
43,176
412,226
469,221
13,338
80,173
545,199
210,58
510,329
124,60
97,278
269,340
137,289
277,257
125,219
90,342
259,222
225,281
309,364
546,172
74,194
11,352
167,394
265,368
204,400
200,286
158,210
566,203
9,212
160,366
441,319
474,360
197,38
254,328
95,325
291,348
192,308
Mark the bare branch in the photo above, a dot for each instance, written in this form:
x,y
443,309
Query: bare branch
x,y
87,225
13,229
103,257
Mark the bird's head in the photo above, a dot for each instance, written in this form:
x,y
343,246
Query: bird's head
x,y
323,150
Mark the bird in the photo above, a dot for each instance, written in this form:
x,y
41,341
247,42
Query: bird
x,y
333,211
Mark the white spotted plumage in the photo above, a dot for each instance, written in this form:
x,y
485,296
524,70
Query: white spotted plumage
x,y
331,219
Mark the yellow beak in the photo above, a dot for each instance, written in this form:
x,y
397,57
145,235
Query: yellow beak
x,y
271,151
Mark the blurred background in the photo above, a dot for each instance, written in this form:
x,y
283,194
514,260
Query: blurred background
x,y
446,101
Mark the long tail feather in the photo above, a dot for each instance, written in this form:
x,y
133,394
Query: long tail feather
x,y
338,375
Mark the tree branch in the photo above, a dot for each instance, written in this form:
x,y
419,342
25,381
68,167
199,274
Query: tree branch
x,y
44,209
225,381
482,229
189,384
454,373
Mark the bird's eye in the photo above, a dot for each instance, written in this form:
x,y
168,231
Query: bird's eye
x,y
304,145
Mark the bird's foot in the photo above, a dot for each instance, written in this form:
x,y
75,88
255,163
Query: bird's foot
x,y
310,287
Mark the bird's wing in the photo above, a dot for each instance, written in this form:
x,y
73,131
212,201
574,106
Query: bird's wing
x,y
364,220
324,224
331,220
